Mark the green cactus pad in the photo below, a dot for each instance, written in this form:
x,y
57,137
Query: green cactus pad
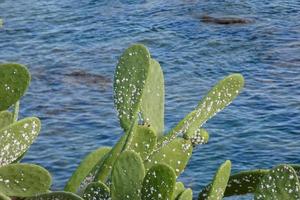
x,y
143,141
17,138
241,183
127,177
219,184
84,169
130,77
1,23
153,99
244,182
56,196
280,183
159,183
176,154
221,95
104,167
6,118
186,195
96,191
3,197
24,180
14,82
179,188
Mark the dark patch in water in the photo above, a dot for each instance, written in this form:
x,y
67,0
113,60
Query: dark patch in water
x,y
224,20
83,77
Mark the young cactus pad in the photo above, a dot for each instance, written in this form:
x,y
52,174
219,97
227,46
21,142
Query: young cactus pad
x,y
14,82
159,183
130,78
17,138
127,177
280,183
219,184
24,180
56,196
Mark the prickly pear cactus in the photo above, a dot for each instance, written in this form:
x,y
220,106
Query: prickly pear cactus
x,y
159,183
96,191
127,177
153,99
14,82
24,180
176,154
219,184
6,118
56,196
17,138
130,78
144,141
280,183
84,170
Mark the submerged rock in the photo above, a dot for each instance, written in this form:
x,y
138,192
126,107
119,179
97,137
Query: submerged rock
x,y
224,20
80,76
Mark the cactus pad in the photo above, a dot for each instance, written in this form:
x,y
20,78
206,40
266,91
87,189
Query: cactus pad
x,y
16,139
127,177
153,99
24,180
217,99
186,195
159,183
56,196
143,141
104,167
176,154
130,77
280,183
241,183
14,82
179,188
6,118
84,169
218,186
96,191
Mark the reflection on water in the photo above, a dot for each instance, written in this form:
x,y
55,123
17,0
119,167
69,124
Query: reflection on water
x,y
72,47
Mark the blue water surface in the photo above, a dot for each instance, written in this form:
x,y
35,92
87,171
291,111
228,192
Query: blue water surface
x,y
59,39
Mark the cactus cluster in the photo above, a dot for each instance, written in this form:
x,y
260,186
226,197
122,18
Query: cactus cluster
x,y
16,136
146,161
